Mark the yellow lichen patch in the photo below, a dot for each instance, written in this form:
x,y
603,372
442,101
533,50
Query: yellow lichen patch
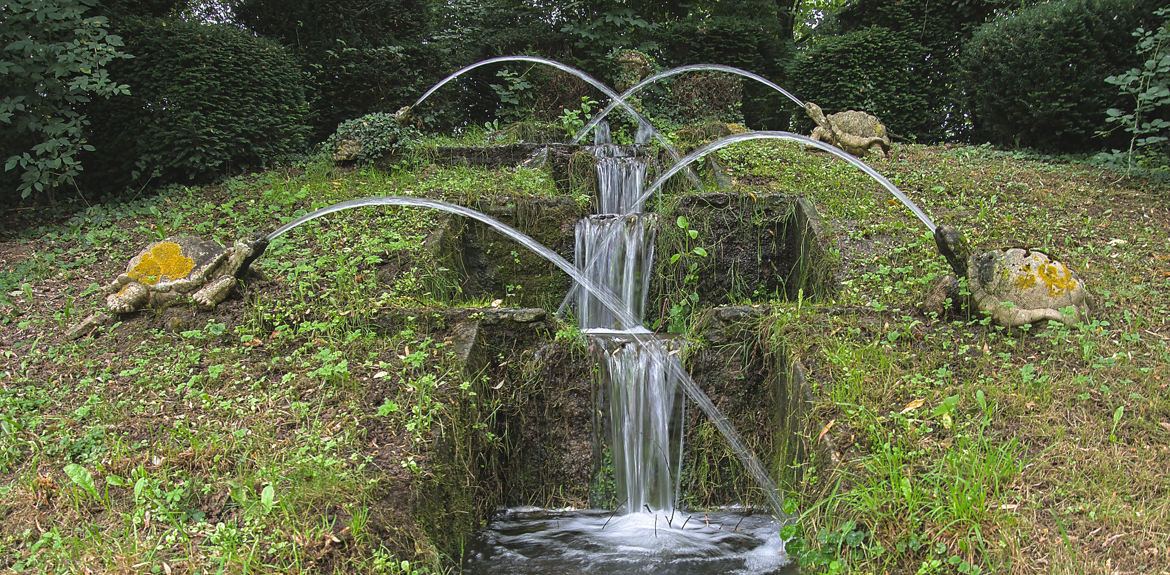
x,y
164,260
1025,280
1059,280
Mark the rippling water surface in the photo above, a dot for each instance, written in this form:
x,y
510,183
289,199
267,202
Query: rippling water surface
x,y
537,541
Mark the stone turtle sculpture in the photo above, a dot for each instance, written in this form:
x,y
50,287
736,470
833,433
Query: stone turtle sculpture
x,y
1015,286
852,131
166,270
178,266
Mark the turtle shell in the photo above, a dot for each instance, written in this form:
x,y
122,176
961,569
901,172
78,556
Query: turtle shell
x,y
177,258
1018,286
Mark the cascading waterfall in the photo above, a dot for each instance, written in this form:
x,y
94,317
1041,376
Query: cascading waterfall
x,y
540,541
642,397
645,408
641,401
621,252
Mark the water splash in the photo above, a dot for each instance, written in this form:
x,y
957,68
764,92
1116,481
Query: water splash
x,y
625,96
609,93
646,414
673,367
769,135
546,542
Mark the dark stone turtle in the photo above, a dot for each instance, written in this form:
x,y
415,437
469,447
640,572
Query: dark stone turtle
x,y
178,266
852,131
1015,286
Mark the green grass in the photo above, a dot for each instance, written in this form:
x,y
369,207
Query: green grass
x,y
287,431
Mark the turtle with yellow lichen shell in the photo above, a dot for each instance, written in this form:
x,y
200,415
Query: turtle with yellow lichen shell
x,y
179,266
1015,286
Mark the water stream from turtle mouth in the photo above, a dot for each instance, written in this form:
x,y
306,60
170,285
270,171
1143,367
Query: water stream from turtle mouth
x,y
789,136
624,320
637,201
625,96
609,93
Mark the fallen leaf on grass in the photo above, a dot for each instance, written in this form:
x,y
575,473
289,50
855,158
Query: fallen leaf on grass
x,y
826,429
913,405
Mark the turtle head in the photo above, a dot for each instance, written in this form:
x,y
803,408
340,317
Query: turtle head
x,y
256,248
815,114
952,246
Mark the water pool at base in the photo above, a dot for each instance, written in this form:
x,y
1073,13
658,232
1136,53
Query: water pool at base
x,y
544,542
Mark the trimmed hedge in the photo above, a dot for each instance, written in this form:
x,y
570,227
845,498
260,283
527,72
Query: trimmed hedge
x,y
361,56
748,41
205,100
872,70
1036,78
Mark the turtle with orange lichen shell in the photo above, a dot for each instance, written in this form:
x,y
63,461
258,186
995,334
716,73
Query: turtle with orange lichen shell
x,y
180,266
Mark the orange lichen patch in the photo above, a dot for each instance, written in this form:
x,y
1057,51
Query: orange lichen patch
x,y
1059,279
164,260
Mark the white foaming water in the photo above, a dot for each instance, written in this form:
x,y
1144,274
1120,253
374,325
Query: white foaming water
x,y
645,409
620,252
538,542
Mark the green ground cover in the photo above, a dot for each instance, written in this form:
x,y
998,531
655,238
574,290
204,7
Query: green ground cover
x,y
285,432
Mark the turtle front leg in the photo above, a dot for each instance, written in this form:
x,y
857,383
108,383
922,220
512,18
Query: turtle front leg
x,y
214,292
132,297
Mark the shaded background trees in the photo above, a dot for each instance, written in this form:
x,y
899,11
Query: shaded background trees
x,y
280,75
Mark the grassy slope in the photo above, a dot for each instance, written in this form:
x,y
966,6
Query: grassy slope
x,y
260,436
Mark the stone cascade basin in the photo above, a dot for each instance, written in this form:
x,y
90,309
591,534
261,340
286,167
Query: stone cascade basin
x,y
552,459
758,246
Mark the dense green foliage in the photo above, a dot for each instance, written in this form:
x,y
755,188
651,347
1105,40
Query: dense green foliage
x,y
361,57
747,36
864,70
1148,120
53,59
1036,78
376,136
206,100
590,35
896,60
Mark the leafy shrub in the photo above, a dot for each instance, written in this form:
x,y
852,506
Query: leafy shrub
x,y
205,100
869,70
745,37
1036,78
377,135
361,56
708,96
939,28
53,58
1149,121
